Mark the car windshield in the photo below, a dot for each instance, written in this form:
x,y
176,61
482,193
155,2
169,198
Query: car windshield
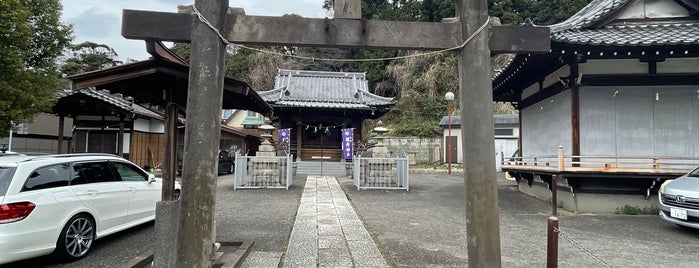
x,y
6,174
694,173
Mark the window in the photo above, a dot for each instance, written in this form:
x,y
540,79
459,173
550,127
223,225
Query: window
x,y
504,132
6,174
93,172
252,114
48,177
129,172
226,113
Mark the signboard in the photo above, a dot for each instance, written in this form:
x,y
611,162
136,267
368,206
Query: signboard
x,y
347,143
284,139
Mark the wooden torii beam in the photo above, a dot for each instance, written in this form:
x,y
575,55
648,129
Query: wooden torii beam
x,y
195,237
337,33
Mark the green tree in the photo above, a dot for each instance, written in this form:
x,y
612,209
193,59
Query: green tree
x,y
88,56
31,39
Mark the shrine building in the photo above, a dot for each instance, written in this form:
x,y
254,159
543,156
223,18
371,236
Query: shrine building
x,y
619,93
317,105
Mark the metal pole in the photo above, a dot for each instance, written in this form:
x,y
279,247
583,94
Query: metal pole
x,y
9,143
554,199
552,243
449,137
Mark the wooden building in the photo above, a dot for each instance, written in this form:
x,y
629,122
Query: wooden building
x,y
112,97
317,105
103,122
619,92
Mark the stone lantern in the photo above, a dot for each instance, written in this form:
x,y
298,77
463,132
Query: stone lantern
x,y
380,150
266,148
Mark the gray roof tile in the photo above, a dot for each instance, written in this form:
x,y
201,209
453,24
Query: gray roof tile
x,y
584,28
296,88
117,100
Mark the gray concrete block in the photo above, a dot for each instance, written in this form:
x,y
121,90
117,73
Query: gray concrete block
x,y
334,257
371,263
362,249
329,229
332,241
353,232
262,259
166,228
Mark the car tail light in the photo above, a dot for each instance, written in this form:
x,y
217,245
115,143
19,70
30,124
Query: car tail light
x,y
15,211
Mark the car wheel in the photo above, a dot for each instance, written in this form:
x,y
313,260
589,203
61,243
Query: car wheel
x,y
230,170
177,194
76,238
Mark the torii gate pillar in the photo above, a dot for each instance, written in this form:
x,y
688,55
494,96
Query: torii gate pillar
x,y
476,97
197,234
202,131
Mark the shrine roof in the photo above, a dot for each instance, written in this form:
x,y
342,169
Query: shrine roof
x,y
629,23
607,29
165,71
317,89
92,101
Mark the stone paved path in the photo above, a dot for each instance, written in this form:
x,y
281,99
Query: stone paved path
x,y
327,231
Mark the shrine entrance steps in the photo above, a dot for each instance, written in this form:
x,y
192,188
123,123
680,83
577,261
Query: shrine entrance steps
x,y
324,168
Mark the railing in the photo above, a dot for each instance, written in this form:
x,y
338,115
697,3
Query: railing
x,y
610,164
380,173
253,172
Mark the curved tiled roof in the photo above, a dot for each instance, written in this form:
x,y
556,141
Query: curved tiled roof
x,y
590,14
117,100
592,25
634,35
316,89
623,26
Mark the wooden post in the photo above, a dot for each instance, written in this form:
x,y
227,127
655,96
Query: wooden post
x,y
61,125
202,133
574,110
476,96
120,139
552,243
170,161
299,142
561,158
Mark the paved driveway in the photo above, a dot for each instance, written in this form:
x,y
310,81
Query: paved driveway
x,y
425,227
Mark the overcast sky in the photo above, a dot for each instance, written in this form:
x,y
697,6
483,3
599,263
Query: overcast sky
x,y
99,21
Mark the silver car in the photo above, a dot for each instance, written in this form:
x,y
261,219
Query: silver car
x,y
679,200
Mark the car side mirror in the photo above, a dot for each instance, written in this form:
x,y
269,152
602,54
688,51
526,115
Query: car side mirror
x,y
151,178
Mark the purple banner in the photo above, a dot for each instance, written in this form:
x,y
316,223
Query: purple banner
x,y
285,139
348,143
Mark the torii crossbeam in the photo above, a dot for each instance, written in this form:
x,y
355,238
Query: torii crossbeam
x,y
346,30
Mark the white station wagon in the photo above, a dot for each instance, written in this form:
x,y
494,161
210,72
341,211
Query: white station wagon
x,y
679,200
61,203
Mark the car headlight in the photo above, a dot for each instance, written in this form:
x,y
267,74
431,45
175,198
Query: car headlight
x,y
662,186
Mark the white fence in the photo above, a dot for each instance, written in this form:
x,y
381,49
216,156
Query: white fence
x,y
380,173
253,172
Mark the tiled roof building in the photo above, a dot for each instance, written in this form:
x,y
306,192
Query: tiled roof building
x,y
621,82
316,89
317,105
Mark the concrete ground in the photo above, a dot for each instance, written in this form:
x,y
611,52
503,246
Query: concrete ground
x,y
425,227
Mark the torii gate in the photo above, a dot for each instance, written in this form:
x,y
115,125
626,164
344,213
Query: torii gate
x,y
346,30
